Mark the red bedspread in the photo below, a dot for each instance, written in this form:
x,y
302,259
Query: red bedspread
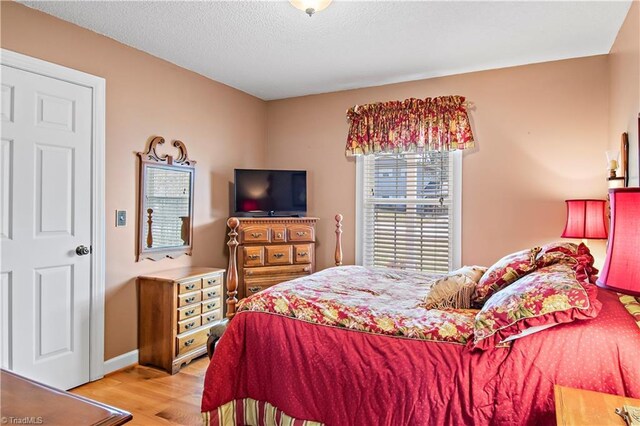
x,y
344,377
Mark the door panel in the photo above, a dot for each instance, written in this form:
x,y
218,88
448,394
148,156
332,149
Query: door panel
x,y
46,214
6,155
54,190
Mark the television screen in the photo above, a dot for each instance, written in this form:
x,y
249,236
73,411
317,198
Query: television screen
x,y
270,192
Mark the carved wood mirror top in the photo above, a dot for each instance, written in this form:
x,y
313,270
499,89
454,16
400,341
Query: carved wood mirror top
x,y
165,225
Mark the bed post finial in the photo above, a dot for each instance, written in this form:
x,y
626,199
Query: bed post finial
x,y
338,256
232,270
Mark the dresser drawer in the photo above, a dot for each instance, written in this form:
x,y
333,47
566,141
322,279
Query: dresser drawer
x,y
189,298
303,253
210,293
188,324
211,316
278,234
192,340
210,305
253,256
187,286
211,281
256,234
189,311
278,255
250,288
272,271
300,233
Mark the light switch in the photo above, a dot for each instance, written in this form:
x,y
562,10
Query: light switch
x,y
121,218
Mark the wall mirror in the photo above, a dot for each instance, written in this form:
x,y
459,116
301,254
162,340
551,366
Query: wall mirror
x,y
165,225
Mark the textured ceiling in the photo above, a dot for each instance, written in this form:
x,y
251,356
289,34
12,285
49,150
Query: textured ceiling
x,y
272,50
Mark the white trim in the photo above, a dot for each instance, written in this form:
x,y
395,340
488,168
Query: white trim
x,y
359,210
456,257
121,361
98,87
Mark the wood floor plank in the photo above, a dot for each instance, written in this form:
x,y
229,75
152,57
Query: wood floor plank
x,y
152,396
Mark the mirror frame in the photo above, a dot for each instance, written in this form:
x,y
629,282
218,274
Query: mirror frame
x,y
180,163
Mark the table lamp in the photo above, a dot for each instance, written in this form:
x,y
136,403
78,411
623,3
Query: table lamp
x,y
621,271
585,220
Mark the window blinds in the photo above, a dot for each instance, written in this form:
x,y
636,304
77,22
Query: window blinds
x,y
407,211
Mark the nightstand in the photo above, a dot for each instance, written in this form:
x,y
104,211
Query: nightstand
x,y
583,407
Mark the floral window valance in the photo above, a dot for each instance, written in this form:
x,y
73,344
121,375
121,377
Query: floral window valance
x,y
431,124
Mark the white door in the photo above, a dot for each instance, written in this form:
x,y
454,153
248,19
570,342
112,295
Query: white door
x,y
46,212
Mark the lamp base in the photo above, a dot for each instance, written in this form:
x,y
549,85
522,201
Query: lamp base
x,y
618,290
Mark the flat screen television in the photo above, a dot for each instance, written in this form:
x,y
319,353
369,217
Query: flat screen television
x,y
270,192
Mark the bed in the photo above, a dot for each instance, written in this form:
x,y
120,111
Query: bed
x,y
354,346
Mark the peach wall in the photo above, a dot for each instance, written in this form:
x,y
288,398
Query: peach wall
x,y
624,82
541,134
222,127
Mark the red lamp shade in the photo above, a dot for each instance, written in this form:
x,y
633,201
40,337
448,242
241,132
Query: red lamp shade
x,y
585,219
621,271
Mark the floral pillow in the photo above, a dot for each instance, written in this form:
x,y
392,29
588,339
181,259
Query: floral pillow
x,y
578,256
504,272
551,295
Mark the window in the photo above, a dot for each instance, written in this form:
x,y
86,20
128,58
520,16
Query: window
x,y
408,210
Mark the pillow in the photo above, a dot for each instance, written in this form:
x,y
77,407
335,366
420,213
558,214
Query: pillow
x,y
504,272
453,291
551,295
578,256
474,272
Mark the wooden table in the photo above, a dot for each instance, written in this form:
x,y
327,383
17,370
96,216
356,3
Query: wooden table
x,y
583,407
27,402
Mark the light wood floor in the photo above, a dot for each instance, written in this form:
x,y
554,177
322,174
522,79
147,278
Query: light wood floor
x,y
151,395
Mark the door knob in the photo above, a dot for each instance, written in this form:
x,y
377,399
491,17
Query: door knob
x,y
82,250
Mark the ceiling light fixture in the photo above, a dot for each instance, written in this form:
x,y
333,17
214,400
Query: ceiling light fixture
x,y
310,6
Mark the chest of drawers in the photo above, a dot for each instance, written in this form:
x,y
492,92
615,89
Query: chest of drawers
x,y
177,308
273,250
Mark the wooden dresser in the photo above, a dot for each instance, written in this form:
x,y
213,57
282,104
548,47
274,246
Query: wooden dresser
x,y
177,308
273,250
25,401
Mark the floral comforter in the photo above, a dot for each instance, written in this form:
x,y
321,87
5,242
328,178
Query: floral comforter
x,y
339,353
373,300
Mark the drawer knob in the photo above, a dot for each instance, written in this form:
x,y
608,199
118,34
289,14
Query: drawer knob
x,y
211,305
278,255
211,294
189,342
211,318
279,235
254,289
254,256
190,286
190,299
256,234
190,325
302,254
211,281
301,233
190,312
249,272
306,269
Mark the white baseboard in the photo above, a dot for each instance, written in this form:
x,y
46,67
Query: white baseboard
x,y
121,361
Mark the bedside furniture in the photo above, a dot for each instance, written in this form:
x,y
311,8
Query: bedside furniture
x,y
583,407
273,250
26,401
177,308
